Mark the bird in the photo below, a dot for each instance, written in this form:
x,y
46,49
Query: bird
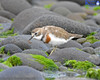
x,y
53,35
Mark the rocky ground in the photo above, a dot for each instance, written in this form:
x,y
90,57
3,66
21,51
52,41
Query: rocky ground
x,y
78,59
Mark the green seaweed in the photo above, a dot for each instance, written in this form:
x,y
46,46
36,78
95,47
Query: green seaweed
x,y
48,63
96,8
8,33
1,70
13,61
8,53
95,14
81,65
2,50
1,60
49,78
90,38
86,6
92,73
48,6
1,28
7,63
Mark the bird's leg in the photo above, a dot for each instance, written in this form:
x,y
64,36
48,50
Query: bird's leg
x,y
53,50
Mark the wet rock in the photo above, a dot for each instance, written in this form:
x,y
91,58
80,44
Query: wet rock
x,y
16,6
28,60
21,73
97,36
17,40
96,44
4,20
71,43
6,27
94,59
72,6
60,21
27,16
81,40
97,50
97,18
68,78
89,11
82,2
69,54
75,17
91,23
12,48
88,50
35,51
86,44
2,66
22,42
7,14
62,11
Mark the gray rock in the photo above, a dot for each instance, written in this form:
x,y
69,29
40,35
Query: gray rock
x,y
22,42
4,20
69,54
96,44
97,50
27,16
12,48
97,19
94,59
97,36
35,51
86,44
21,73
81,40
71,43
91,23
7,14
2,66
82,2
72,6
69,78
6,27
62,11
60,21
75,17
88,50
28,60
16,6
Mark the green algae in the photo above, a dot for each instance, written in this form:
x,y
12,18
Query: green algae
x,y
2,50
48,6
48,63
90,38
8,33
96,8
13,61
81,65
1,70
92,73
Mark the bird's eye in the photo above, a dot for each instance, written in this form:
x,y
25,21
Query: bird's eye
x,y
36,33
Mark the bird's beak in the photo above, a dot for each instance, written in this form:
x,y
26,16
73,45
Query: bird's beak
x,y
31,37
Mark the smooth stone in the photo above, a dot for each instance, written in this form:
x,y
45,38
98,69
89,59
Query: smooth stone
x,y
86,44
35,52
60,21
16,6
21,73
71,43
81,40
89,50
12,48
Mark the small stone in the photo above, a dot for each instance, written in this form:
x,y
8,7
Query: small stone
x,y
81,40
